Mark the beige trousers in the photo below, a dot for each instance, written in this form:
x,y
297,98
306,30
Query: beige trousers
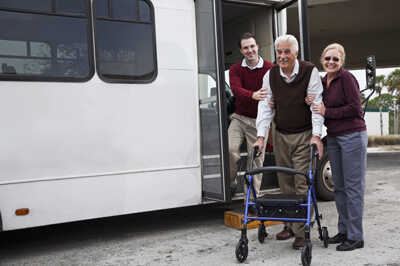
x,y
293,151
243,128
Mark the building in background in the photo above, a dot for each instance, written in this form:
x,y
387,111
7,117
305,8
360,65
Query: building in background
x,y
372,119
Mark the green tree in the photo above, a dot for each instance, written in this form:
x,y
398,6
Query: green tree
x,y
393,84
387,103
380,83
386,99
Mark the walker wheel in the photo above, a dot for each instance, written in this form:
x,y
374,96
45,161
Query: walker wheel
x,y
242,250
306,254
325,236
262,233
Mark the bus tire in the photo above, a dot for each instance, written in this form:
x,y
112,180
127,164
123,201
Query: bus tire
x,y
323,178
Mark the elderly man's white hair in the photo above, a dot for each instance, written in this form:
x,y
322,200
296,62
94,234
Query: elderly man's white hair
x,y
288,38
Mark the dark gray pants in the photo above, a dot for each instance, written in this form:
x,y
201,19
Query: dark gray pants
x,y
348,156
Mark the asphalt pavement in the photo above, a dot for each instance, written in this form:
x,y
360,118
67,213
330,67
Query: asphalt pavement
x,y
198,236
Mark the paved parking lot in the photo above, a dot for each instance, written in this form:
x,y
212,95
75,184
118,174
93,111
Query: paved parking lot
x,y
198,236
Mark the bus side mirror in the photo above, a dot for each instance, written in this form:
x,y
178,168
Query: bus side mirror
x,y
370,71
370,75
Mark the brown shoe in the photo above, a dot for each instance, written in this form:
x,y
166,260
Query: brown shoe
x,y
286,233
298,242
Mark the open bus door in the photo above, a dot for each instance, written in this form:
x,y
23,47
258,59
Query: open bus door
x,y
214,143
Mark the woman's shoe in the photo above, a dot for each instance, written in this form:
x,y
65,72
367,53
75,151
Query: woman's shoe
x,y
350,245
339,238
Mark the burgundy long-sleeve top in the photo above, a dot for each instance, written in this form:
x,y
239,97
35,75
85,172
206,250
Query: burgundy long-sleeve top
x,y
343,114
244,82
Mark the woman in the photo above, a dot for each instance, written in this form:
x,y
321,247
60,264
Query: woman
x,y
347,146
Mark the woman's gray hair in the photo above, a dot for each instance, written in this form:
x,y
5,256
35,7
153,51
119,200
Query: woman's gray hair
x,y
288,38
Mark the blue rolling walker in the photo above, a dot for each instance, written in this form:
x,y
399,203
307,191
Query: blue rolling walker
x,y
282,207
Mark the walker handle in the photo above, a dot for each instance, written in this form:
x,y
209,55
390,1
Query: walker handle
x,y
255,150
273,169
253,155
314,152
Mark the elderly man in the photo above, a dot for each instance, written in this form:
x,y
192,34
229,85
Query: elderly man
x,y
296,126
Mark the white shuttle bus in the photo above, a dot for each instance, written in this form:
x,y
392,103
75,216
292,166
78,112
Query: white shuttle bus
x,y
113,107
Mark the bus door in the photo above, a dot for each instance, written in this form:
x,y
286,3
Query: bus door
x,y
211,84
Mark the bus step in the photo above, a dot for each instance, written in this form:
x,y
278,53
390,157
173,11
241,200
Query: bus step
x,y
234,220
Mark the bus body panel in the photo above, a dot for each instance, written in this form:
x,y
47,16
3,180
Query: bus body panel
x,y
80,198
56,129
75,151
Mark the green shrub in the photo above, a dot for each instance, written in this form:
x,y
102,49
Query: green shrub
x,y
390,140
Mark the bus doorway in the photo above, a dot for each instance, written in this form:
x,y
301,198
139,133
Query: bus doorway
x,y
239,17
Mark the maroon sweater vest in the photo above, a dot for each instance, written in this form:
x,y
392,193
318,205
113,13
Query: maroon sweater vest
x,y
292,114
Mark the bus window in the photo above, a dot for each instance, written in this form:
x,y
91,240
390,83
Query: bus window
x,y
144,11
125,9
70,6
61,6
34,5
50,45
125,41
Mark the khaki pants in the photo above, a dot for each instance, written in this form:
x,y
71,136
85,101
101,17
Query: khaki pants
x,y
293,151
243,128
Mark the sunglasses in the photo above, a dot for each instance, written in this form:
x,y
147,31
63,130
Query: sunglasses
x,y
328,58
